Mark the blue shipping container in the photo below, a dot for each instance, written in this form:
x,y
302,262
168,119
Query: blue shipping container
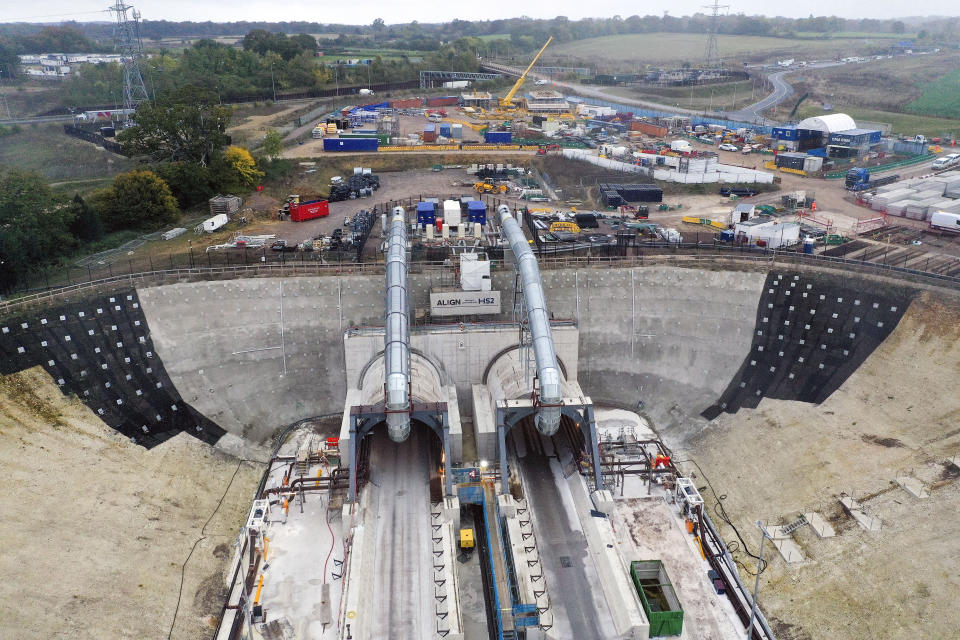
x,y
426,213
477,211
445,130
350,144
784,133
498,137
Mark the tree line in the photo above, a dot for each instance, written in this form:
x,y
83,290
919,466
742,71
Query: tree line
x,y
181,138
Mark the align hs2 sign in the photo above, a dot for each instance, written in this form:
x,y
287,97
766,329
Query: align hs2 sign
x,y
464,303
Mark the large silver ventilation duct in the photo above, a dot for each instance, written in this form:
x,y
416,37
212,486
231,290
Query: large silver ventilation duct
x,y
396,348
538,319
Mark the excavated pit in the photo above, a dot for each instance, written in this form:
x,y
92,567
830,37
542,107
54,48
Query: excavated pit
x,y
782,384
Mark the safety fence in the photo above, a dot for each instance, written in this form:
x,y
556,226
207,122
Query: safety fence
x,y
459,147
650,254
95,138
836,175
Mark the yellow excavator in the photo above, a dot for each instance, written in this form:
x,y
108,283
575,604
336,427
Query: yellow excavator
x,y
506,102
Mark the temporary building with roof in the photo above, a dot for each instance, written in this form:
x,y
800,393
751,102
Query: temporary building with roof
x,y
834,134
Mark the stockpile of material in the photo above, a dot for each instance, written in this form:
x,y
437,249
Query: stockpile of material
x,y
634,192
225,204
882,201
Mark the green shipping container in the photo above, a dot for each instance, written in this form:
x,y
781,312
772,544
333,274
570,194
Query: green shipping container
x,y
658,597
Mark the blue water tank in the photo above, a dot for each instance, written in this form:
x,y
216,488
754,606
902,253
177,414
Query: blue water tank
x,y
808,244
726,235
477,211
426,213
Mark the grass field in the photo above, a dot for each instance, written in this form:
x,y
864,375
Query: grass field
x,y
856,35
728,95
48,151
940,97
675,48
29,98
913,93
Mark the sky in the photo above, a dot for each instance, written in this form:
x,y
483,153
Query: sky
x,y
393,11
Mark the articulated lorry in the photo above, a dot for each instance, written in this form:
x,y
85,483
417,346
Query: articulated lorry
x,y
861,180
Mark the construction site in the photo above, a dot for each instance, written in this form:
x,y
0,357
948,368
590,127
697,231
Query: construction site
x,y
590,371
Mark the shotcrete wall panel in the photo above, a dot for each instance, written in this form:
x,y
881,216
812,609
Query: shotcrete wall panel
x,y
666,337
244,368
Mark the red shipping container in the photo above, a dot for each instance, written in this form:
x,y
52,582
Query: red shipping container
x,y
309,210
445,101
429,136
406,103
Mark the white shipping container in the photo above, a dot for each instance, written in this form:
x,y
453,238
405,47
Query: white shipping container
x,y
212,224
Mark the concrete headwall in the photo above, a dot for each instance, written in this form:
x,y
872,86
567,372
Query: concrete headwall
x,y
665,338
253,355
256,354
670,338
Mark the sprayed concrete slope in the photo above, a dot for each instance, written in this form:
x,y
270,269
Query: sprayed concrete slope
x,y
897,414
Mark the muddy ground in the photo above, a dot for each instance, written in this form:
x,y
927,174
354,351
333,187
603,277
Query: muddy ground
x,y
897,414
96,529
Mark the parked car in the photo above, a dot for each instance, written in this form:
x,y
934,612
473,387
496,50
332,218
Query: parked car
x,y
281,245
726,146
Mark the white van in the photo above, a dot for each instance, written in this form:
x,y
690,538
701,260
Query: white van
x,y
940,163
954,159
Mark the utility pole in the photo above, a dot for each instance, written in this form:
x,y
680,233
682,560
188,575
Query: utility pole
x,y
272,83
756,585
130,47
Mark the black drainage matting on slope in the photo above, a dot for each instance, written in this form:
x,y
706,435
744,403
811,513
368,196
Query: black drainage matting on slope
x,y
100,350
812,331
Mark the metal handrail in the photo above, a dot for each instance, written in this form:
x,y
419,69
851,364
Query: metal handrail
x,y
684,254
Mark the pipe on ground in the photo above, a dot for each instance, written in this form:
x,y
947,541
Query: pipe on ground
x,y
538,320
396,349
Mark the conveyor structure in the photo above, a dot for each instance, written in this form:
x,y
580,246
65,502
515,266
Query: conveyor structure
x,y
396,348
550,393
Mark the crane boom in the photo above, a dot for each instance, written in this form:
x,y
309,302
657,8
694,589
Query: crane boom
x,y
507,100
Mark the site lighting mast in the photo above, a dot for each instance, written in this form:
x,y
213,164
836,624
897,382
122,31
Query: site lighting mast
x,y
713,53
128,44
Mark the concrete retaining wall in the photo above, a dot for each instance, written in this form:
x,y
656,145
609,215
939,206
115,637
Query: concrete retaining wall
x,y
253,355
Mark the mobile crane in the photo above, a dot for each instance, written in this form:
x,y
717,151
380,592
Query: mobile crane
x,y
506,102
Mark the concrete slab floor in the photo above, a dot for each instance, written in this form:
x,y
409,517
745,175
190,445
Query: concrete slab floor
x,y
650,529
821,527
867,522
579,610
913,486
469,578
